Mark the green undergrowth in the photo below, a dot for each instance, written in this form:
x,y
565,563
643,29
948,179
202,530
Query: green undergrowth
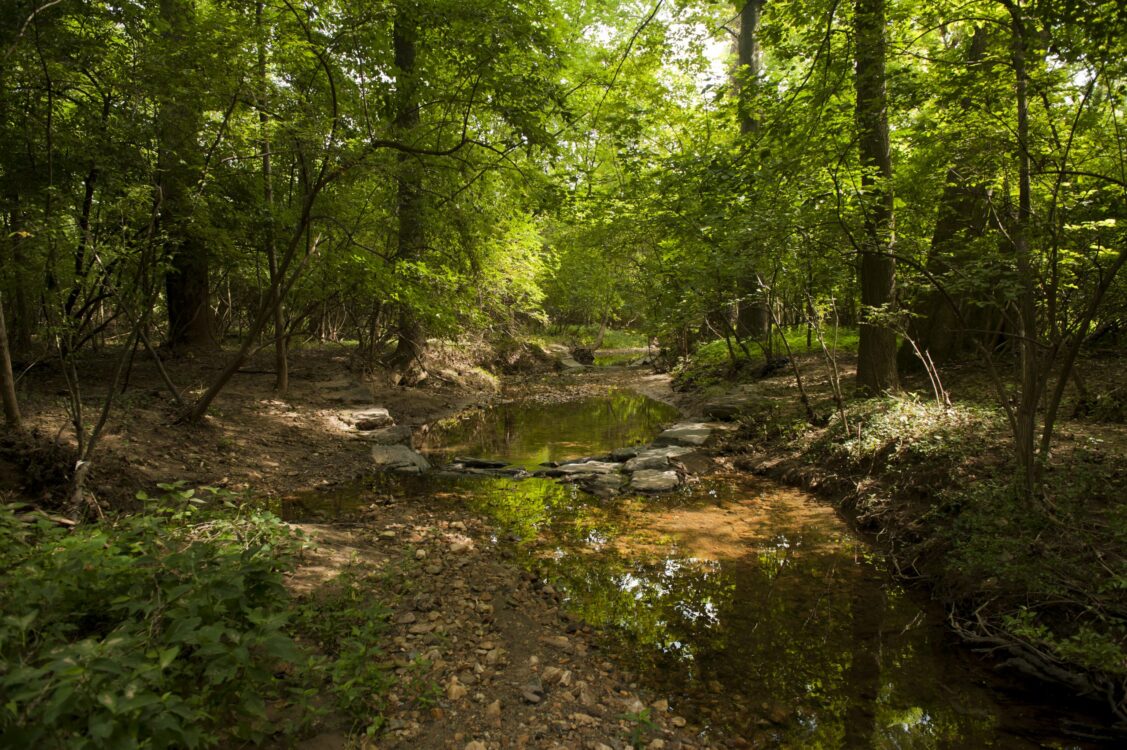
x,y
1047,576
586,335
172,628
715,363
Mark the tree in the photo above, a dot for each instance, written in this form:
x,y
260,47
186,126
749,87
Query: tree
x,y
180,164
876,361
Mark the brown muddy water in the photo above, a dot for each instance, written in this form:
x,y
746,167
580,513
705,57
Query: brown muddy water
x,y
754,606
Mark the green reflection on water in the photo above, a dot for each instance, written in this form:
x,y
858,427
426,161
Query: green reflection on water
x,y
799,643
528,434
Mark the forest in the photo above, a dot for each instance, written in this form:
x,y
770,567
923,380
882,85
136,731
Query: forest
x,y
264,262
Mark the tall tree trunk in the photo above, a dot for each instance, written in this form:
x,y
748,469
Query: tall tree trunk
x,y
281,355
7,378
406,361
21,311
186,284
876,365
1032,381
963,214
753,319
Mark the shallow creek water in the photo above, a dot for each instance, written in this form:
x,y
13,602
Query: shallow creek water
x,y
752,605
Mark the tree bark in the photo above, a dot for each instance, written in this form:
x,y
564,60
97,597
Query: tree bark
x,y
7,378
1032,381
187,284
753,319
963,215
281,354
406,361
876,365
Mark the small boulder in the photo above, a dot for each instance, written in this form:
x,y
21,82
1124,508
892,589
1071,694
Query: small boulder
x,y
370,419
649,480
399,458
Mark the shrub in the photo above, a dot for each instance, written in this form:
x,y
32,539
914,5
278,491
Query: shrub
x,y
163,629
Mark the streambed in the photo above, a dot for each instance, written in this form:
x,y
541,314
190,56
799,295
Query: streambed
x,y
751,604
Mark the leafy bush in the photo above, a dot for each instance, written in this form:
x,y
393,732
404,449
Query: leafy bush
x,y
346,624
163,629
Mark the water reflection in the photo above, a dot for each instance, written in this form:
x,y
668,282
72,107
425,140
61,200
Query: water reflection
x,y
528,434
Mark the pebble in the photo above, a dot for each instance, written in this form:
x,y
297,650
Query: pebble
x,y
533,690
420,554
678,721
455,690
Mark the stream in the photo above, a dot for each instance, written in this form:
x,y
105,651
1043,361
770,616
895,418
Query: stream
x,y
752,605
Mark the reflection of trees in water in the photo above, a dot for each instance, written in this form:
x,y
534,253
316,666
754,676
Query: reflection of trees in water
x,y
530,432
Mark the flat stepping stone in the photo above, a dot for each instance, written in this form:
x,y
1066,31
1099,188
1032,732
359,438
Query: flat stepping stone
x,y
651,480
656,458
399,458
686,433
589,467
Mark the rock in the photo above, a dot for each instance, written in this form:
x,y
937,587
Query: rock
x,y
603,485
420,554
642,463
558,641
455,690
480,463
648,480
656,457
399,434
686,433
624,454
533,690
370,419
678,721
590,467
583,355
657,744
459,546
399,458
725,411
475,745
493,713
570,365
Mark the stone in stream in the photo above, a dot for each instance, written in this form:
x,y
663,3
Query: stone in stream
x,y
603,485
686,433
590,467
480,463
650,480
399,458
656,458
625,454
